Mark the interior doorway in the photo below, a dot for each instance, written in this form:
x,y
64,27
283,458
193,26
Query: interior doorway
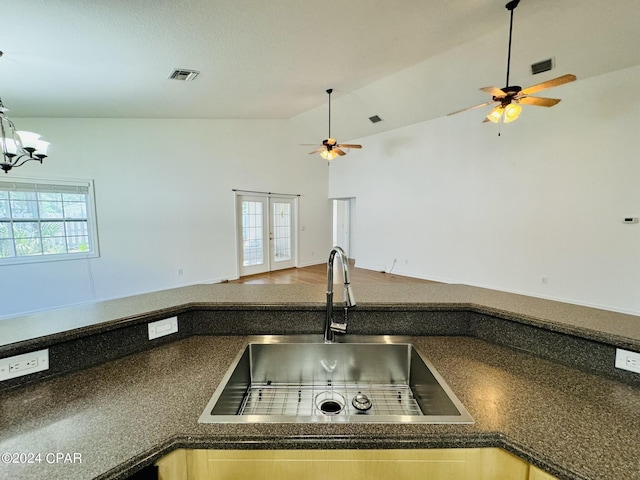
x,y
343,222
266,232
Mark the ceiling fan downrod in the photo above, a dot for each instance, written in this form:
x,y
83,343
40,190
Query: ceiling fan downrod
x,y
511,6
330,91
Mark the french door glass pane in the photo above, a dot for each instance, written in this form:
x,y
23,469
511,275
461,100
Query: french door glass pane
x,y
282,231
252,233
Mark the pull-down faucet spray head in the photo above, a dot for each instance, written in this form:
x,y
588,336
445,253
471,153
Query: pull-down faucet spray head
x,y
349,297
330,326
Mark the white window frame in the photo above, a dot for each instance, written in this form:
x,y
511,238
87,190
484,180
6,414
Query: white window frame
x,y
92,229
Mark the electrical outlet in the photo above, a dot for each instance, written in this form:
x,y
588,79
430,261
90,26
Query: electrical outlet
x,y
163,327
627,360
18,365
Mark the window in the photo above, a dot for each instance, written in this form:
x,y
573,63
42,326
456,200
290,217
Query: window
x,y
44,220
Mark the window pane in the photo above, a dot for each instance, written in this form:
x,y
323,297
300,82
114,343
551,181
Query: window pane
x,y
282,231
51,210
75,228
23,196
49,197
54,245
74,197
75,210
24,209
4,209
52,229
78,244
28,246
252,244
26,229
6,249
5,230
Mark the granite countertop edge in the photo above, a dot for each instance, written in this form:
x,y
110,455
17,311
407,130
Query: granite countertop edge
x,y
619,329
295,442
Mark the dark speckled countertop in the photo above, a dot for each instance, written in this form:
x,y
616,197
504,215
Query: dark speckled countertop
x,y
128,412
576,424
590,322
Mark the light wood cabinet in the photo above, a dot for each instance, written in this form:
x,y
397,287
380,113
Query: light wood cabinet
x,y
438,464
174,465
536,474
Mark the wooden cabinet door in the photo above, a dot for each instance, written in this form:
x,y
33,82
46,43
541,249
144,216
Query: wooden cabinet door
x,y
434,464
536,474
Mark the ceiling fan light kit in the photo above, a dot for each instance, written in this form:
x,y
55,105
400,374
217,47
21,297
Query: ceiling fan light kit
x,y
508,113
511,97
330,148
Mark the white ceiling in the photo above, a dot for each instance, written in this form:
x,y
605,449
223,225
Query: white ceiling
x,y
275,58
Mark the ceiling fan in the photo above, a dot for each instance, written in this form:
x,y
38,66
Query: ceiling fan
x,y
510,97
330,148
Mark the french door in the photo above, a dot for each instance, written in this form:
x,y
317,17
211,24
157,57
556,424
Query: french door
x,y
266,232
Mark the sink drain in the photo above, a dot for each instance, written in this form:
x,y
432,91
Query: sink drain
x,y
330,403
361,402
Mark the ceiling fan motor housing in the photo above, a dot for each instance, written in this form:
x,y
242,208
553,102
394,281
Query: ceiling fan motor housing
x,y
512,4
511,92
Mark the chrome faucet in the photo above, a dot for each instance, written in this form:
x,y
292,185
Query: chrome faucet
x,y
331,327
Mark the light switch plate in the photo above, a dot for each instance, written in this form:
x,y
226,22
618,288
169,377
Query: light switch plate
x,y
163,327
627,360
19,365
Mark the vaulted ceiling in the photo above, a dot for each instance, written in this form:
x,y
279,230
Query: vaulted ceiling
x,y
274,59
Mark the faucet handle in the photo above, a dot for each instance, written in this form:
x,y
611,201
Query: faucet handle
x,y
338,327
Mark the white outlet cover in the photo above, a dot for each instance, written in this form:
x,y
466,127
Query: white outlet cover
x,y
25,364
163,327
627,360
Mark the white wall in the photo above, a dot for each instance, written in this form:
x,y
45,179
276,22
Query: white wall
x,y
452,201
447,198
164,201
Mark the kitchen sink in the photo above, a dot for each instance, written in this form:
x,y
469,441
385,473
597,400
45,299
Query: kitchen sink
x,y
371,379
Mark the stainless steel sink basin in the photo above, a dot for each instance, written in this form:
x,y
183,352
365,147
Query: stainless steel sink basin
x,y
372,379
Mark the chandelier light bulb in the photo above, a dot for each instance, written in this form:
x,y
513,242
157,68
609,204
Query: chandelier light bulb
x,y
28,139
9,146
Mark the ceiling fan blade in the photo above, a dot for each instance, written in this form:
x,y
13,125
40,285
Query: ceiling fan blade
x,y
339,152
539,101
318,150
548,84
494,91
471,108
349,145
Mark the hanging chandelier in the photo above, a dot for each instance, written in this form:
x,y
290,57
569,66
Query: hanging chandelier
x,y
18,147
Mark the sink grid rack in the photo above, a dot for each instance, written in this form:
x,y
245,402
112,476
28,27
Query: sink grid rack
x,y
300,400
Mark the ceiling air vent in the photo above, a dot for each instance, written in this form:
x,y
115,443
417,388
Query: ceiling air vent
x,y
375,119
183,74
543,66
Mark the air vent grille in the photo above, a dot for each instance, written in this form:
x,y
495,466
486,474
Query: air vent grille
x,y
375,119
183,74
543,66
